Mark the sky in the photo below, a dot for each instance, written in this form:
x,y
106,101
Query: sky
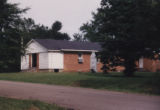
x,y
72,13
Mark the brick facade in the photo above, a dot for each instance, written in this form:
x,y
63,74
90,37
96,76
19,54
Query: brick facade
x,y
71,63
99,67
151,65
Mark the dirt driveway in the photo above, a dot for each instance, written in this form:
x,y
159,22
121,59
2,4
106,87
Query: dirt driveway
x,y
79,98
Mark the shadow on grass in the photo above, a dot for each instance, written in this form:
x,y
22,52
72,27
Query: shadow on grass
x,y
121,75
136,84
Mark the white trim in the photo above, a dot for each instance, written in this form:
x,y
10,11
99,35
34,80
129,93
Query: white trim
x,y
79,50
54,50
29,49
141,63
36,42
34,53
29,43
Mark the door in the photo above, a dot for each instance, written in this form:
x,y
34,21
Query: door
x,y
34,60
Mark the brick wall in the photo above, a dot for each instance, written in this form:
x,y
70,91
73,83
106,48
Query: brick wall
x,y
99,66
71,62
151,65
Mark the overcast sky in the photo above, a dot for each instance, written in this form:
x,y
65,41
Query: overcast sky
x,y
72,13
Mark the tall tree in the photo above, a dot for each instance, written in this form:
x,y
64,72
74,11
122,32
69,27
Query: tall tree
x,y
30,30
10,39
56,26
43,32
16,31
129,30
26,26
55,32
79,37
89,32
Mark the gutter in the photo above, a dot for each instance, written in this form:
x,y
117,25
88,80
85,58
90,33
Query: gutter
x,y
72,50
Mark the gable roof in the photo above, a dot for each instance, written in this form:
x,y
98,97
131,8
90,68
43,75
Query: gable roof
x,y
51,44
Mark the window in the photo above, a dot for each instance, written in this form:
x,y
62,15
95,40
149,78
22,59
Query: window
x,y
80,58
34,60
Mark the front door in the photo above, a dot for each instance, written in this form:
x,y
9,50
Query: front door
x,y
34,60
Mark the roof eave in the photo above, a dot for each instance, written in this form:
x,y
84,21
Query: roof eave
x,y
54,50
74,50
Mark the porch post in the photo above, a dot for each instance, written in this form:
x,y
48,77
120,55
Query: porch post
x,y
30,61
37,61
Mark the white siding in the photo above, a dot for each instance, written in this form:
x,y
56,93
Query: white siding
x,y
25,62
51,60
43,61
56,60
35,47
93,62
141,63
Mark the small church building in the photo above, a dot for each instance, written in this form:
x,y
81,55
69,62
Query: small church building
x,y
70,56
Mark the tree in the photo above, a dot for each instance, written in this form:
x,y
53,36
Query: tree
x,y
10,39
57,26
89,32
79,37
16,31
40,32
55,32
129,30
26,26
30,30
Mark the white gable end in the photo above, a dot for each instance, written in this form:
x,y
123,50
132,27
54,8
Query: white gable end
x,y
35,47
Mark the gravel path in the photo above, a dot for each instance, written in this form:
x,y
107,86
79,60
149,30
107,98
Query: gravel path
x,y
79,98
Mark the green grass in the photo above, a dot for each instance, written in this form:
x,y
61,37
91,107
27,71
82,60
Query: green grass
x,y
148,83
14,104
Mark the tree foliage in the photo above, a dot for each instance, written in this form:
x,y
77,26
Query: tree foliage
x,y
10,39
55,32
57,26
129,30
30,30
79,37
16,31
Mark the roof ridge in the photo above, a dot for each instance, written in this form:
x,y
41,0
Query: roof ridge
x,y
67,40
52,44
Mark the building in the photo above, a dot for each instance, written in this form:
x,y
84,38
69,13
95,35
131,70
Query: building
x,y
149,65
60,55
70,56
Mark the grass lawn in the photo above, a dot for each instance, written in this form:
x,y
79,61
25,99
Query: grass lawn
x,y
148,83
13,104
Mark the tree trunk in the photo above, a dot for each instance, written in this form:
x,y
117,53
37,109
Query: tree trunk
x,y
130,67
